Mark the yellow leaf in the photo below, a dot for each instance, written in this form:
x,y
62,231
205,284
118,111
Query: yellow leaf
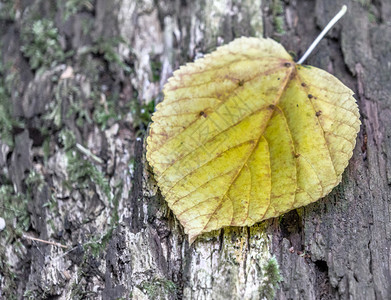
x,y
245,134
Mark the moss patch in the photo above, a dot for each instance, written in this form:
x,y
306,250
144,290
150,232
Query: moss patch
x,y
158,288
278,16
272,277
41,44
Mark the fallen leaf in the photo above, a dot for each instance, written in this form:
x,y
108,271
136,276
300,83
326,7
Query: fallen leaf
x,y
246,134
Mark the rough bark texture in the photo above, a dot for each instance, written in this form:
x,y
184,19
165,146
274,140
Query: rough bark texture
x,y
92,85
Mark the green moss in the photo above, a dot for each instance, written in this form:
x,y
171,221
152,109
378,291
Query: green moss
x,y
156,68
46,149
13,208
106,110
279,24
8,78
87,26
278,7
34,181
67,139
364,3
41,44
51,204
6,121
15,214
31,295
158,288
74,6
81,171
8,283
7,10
372,14
108,49
278,16
293,54
99,243
271,273
141,115
80,291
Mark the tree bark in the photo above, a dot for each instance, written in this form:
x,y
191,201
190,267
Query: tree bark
x,y
73,118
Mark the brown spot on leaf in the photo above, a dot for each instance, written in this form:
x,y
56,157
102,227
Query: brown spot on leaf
x,y
271,106
303,84
318,113
241,82
203,114
310,96
287,64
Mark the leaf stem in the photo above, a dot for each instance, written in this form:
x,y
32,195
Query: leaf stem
x,y
323,33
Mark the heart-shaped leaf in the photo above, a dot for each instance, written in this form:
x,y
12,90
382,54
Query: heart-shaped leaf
x,y
245,134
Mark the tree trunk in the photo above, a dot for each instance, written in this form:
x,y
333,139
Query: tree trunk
x,y
79,80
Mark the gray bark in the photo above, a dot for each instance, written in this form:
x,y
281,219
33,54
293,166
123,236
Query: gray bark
x,y
122,240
